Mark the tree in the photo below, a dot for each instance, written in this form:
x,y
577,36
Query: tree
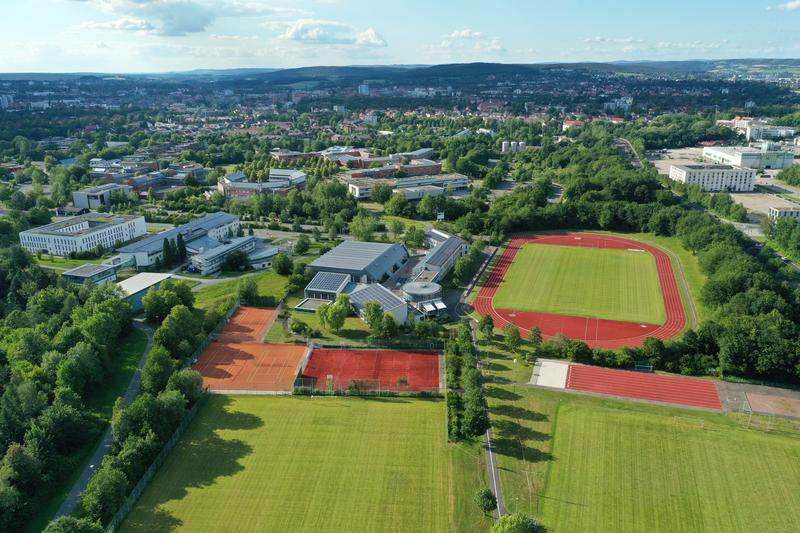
x,y
486,327
535,336
362,227
247,290
158,302
397,205
389,326
105,493
373,316
24,468
475,420
316,234
157,370
70,524
396,226
485,500
282,265
511,337
381,192
236,261
181,248
515,523
302,244
188,382
337,313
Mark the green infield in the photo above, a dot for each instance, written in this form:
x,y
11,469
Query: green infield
x,y
591,282
582,463
250,463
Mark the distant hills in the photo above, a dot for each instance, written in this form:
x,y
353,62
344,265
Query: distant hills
x,y
453,71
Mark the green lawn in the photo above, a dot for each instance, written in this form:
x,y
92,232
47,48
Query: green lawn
x,y
581,463
594,282
312,464
269,284
65,262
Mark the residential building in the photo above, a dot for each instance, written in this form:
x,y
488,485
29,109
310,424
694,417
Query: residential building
x,y
89,272
784,212
95,197
715,178
83,233
365,262
744,156
199,235
135,288
211,261
363,89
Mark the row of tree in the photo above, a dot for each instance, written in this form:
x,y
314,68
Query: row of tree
x,y
467,409
168,390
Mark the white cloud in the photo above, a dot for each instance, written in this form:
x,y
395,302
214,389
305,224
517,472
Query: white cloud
x,y
326,32
788,6
467,43
183,17
123,24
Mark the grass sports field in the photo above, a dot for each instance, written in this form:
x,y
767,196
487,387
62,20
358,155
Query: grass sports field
x,y
590,282
252,463
582,463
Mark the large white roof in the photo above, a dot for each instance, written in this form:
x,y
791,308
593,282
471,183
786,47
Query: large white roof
x,y
141,281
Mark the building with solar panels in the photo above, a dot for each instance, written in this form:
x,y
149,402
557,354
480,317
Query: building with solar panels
x,y
389,301
364,262
326,286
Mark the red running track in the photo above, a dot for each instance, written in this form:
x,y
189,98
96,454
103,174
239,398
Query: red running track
x,y
654,387
597,333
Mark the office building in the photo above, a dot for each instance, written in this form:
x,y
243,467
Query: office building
x,y
744,156
199,235
440,259
361,188
784,212
764,132
212,260
715,178
96,274
83,233
98,196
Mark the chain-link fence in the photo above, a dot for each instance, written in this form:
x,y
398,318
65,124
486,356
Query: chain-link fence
x,y
137,491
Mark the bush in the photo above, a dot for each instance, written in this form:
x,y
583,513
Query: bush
x,y
515,523
486,500
105,493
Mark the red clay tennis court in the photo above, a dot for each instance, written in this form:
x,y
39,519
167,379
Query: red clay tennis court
x,y
248,324
389,368
250,366
653,387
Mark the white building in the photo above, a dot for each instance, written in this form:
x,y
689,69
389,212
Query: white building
x,y
784,212
211,261
83,233
363,89
762,132
715,178
361,188
744,156
98,196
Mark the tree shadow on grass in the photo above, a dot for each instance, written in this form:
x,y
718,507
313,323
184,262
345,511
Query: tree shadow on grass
x,y
197,461
501,394
511,429
518,450
513,411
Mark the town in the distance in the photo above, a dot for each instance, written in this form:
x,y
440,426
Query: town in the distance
x,y
474,297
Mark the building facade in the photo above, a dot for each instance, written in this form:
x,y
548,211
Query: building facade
x,y
98,196
83,233
715,178
744,156
784,212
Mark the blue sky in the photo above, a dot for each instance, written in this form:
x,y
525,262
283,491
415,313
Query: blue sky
x,y
163,35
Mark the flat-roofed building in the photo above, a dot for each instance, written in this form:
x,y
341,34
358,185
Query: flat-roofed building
x,y
784,212
765,132
715,178
95,197
327,285
440,259
89,272
744,156
361,188
364,262
135,288
208,231
83,233
280,181
211,261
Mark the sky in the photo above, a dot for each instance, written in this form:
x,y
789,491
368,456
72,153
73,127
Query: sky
x,y
177,35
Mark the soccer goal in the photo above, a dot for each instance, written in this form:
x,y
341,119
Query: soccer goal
x,y
642,366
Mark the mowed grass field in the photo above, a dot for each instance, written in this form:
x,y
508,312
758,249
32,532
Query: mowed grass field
x,y
591,282
581,463
251,463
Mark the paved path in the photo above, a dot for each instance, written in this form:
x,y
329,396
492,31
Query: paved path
x,y
494,473
74,496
